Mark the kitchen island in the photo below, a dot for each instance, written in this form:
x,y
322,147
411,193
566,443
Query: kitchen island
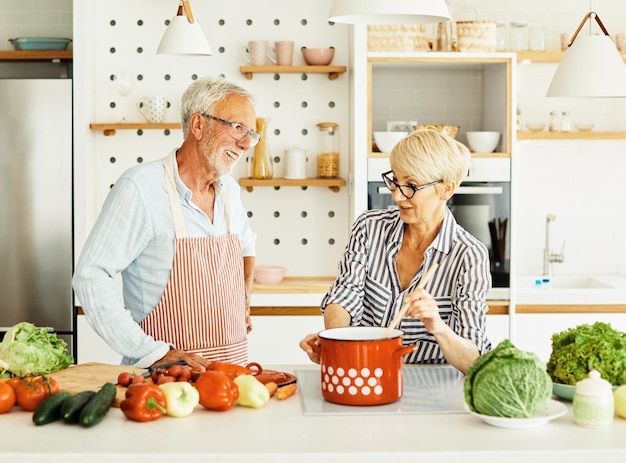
x,y
281,432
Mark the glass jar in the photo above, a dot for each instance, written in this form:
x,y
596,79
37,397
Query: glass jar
x,y
566,122
502,43
328,150
554,124
261,164
518,36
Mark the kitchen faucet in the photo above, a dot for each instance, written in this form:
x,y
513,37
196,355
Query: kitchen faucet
x,y
548,256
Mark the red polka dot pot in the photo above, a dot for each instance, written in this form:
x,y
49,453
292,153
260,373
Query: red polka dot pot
x,y
360,367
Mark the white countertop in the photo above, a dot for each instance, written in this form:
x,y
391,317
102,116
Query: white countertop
x,y
280,432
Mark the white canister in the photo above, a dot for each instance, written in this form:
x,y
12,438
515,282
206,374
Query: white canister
x,y
296,163
594,405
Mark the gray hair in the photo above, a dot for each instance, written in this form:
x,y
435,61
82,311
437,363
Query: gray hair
x,y
202,96
429,155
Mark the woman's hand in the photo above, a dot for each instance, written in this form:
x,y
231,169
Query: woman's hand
x,y
423,307
305,345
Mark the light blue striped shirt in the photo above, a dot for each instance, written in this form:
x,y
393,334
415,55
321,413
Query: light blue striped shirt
x,y
368,286
134,236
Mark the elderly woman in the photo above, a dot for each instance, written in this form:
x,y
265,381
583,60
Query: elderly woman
x,y
389,251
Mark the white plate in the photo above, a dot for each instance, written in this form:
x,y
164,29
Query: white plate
x,y
554,410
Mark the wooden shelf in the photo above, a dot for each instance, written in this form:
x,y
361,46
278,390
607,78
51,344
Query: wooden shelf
x,y
332,71
17,55
333,183
545,135
110,128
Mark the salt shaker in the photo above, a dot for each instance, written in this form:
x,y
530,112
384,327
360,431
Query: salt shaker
x,y
594,405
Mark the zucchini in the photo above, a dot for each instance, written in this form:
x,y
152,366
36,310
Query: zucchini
x,y
98,406
71,408
50,409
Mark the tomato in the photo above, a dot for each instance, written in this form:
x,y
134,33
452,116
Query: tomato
x,y
124,379
7,397
166,379
13,382
30,392
156,373
138,379
175,371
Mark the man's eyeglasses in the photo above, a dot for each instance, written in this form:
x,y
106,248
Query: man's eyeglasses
x,y
238,131
408,191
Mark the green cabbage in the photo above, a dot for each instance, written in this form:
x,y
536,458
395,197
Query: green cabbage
x,y
577,351
507,382
28,350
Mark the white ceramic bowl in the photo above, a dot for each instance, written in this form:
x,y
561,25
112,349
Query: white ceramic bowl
x,y
269,274
483,141
318,56
387,140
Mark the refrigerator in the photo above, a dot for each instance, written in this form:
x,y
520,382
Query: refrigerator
x,y
36,243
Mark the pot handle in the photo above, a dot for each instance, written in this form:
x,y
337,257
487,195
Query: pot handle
x,y
315,346
401,352
255,368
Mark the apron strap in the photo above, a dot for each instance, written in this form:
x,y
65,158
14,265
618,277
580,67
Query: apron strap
x,y
170,181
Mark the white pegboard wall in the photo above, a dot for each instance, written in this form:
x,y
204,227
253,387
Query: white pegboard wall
x,y
313,223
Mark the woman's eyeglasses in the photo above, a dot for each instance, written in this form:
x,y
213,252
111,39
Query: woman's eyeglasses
x,y
238,131
408,191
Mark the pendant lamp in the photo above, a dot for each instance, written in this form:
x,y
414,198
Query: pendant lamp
x,y
184,36
389,11
591,67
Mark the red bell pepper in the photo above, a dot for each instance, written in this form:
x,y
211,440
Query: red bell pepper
x,y
217,391
144,402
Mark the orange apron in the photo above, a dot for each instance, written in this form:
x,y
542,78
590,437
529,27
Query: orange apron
x,y
203,307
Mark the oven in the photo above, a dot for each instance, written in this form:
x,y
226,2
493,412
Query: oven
x,y
481,205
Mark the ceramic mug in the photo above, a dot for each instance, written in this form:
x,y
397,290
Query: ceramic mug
x,y
256,52
281,53
153,108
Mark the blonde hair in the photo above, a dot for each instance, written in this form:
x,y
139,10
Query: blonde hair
x,y
429,155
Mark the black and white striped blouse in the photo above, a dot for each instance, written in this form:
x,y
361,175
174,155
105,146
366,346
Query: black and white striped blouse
x,y
368,286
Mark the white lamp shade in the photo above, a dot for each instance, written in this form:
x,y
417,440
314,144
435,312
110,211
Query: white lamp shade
x,y
389,11
591,67
184,38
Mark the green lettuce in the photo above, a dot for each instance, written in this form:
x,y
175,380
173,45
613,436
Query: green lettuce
x,y
576,351
29,350
507,382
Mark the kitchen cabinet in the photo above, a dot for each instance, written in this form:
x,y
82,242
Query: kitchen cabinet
x,y
35,55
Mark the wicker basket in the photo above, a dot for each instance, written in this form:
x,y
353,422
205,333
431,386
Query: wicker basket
x,y
476,36
401,37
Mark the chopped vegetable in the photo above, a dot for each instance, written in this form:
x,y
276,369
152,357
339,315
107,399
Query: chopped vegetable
x,y
577,351
217,391
252,392
144,402
180,397
28,350
507,382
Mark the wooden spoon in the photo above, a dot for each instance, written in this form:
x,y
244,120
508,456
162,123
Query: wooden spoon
x,y
405,306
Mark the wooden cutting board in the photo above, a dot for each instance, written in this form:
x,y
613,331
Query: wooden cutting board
x,y
91,376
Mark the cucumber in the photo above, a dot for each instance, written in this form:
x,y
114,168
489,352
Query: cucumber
x,y
95,410
71,408
50,409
